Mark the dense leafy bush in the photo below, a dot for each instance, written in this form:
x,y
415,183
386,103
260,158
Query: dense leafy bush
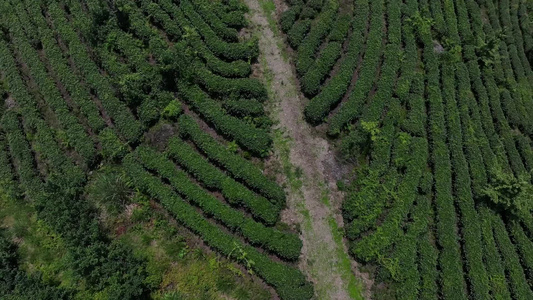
x,y
75,134
318,31
59,65
289,17
367,75
16,284
334,90
253,139
203,8
122,117
317,72
297,33
240,168
283,244
244,107
239,87
210,176
288,281
232,51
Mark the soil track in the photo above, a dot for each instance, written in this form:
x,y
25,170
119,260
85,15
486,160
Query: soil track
x,y
311,170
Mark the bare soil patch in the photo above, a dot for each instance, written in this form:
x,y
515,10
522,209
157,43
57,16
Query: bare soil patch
x,y
314,204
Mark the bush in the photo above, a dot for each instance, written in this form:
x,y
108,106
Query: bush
x,y
123,119
236,68
340,28
74,133
112,146
297,33
285,245
253,139
289,17
172,111
17,284
367,76
204,8
162,19
60,67
240,87
231,51
244,107
317,33
238,167
111,188
330,95
321,68
43,137
210,176
288,281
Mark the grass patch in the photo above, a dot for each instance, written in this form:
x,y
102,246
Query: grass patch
x,y
324,197
269,9
40,250
354,287
176,269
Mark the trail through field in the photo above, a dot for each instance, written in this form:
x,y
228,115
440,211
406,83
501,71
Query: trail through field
x,y
310,169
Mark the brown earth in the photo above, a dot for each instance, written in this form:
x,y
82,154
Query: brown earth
x,y
314,200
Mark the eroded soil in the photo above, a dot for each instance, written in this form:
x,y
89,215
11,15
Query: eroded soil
x,y
313,198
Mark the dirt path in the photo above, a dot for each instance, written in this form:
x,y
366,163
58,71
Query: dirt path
x,y
310,169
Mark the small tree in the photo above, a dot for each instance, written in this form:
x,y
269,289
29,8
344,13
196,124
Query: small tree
x,y
514,194
172,111
487,51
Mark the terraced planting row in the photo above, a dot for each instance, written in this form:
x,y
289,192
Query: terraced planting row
x,y
431,101
161,90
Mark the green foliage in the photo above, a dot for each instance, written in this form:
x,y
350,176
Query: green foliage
x,y
319,30
122,117
372,129
341,27
284,244
297,33
288,282
422,23
59,64
234,192
317,72
16,284
161,19
203,7
83,81
289,17
232,51
112,147
172,111
319,106
236,68
238,167
111,188
238,87
352,108
512,193
74,131
487,51
253,139
244,107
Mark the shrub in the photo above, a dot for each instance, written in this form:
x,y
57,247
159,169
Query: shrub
x,y
172,111
253,139
238,167
210,176
288,282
